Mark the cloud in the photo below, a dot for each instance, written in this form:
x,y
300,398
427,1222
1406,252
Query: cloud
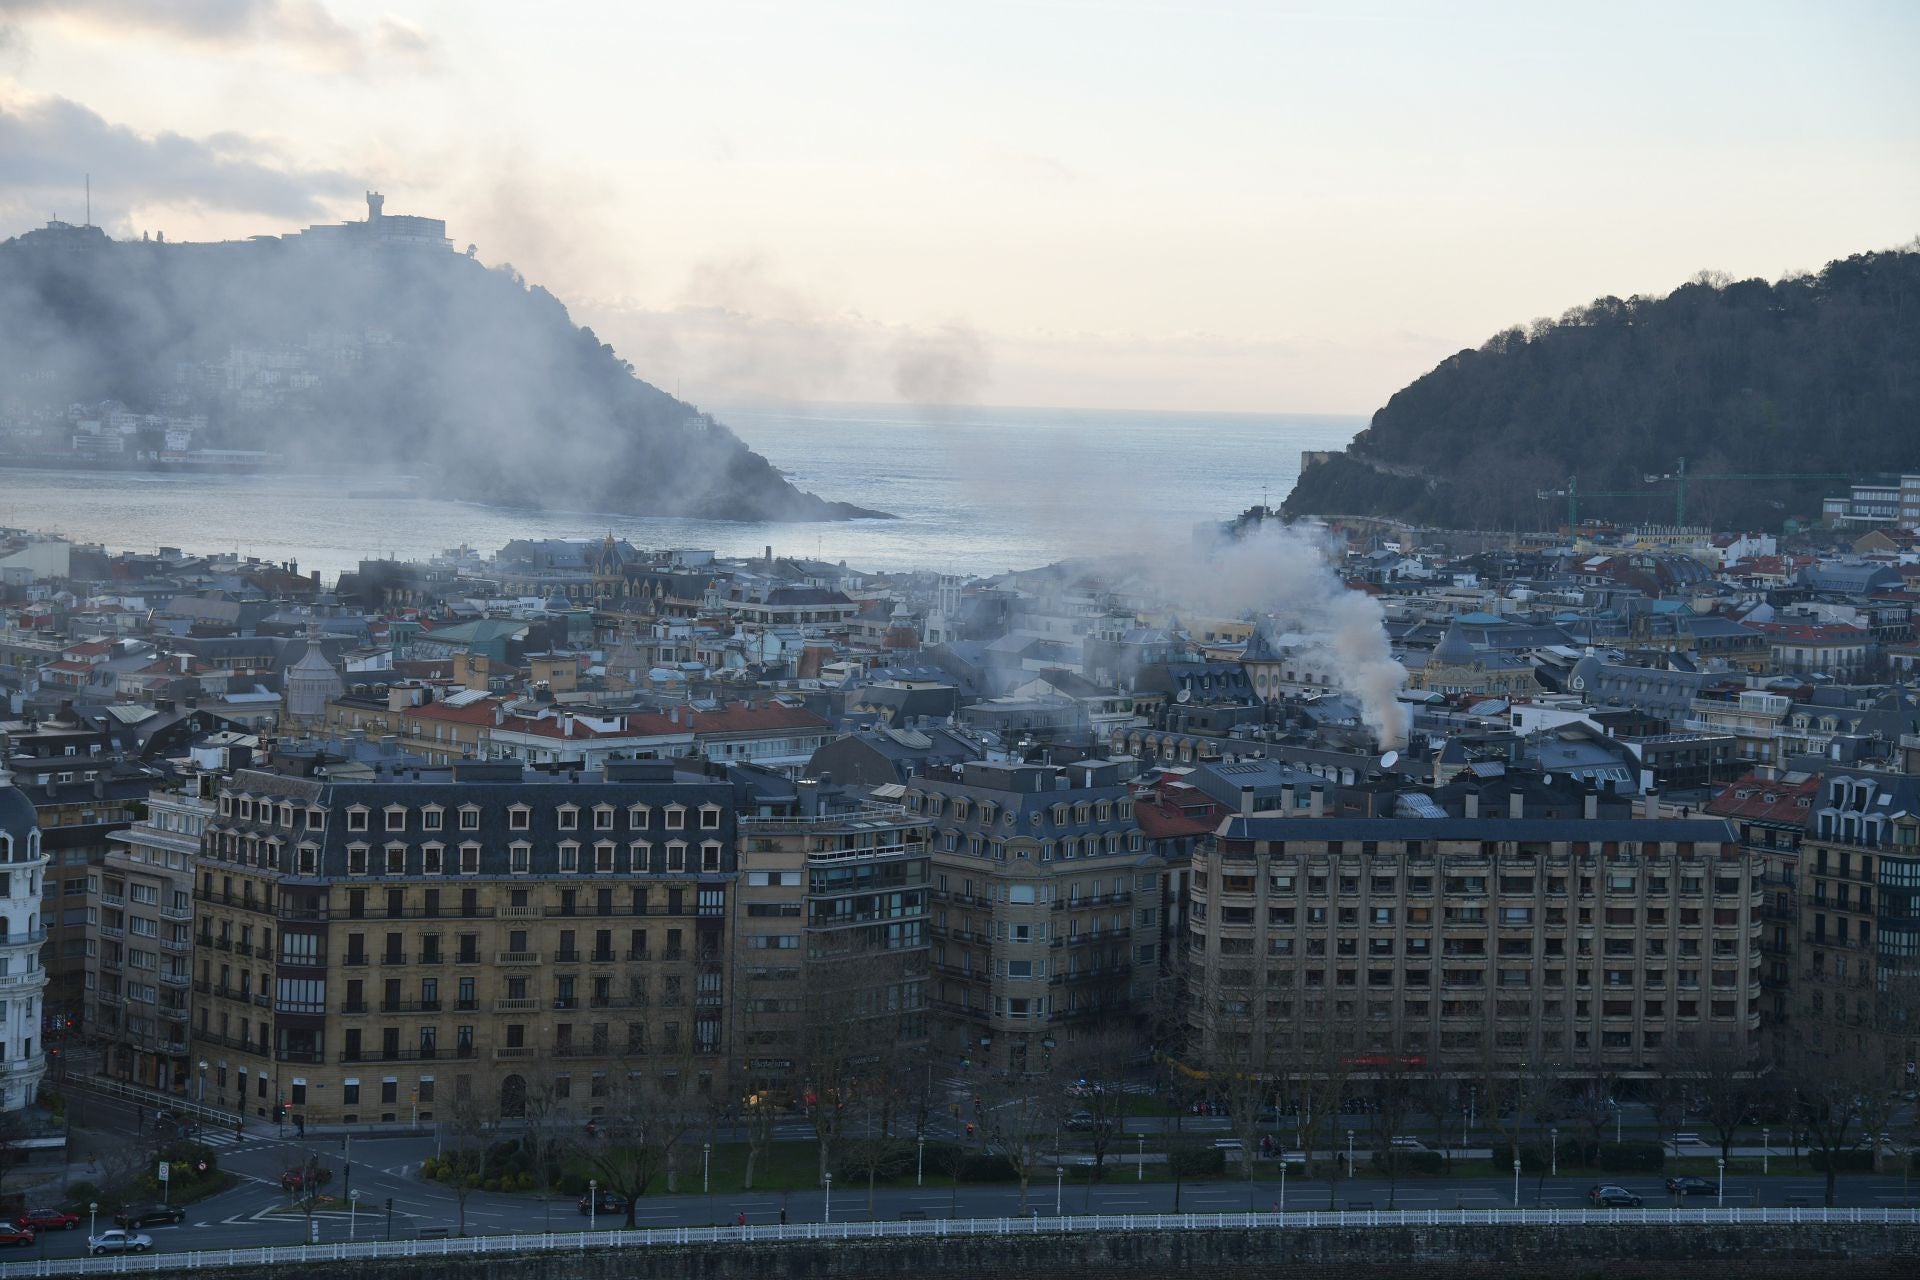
x,y
47,144
304,29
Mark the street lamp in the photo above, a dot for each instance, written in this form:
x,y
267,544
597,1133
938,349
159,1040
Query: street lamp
x,y
1349,1153
1553,1165
920,1164
829,1216
1720,1197
1283,1182
1059,1186
203,1082
1766,1148
1140,1169
593,1202
706,1167
93,1209
353,1213
1618,1112
1516,1182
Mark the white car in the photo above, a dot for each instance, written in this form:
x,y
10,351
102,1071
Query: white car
x,y
119,1240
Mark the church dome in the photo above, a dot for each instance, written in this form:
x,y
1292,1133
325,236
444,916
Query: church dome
x,y
18,821
1454,649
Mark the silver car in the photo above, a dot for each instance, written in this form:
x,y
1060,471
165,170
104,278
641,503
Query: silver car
x,y
119,1240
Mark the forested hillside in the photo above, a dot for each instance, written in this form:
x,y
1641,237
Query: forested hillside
x,y
1816,373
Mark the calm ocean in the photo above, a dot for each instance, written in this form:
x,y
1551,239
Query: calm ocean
x,y
976,491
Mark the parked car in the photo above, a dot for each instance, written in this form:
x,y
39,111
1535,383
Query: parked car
x,y
150,1215
21,1236
1688,1185
1409,1144
49,1220
1612,1197
119,1241
609,1203
1086,1122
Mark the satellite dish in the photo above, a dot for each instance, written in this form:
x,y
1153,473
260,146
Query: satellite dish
x,y
1183,697
1390,759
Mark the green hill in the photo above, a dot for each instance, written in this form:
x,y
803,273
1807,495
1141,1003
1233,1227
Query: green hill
x,y
366,359
1817,373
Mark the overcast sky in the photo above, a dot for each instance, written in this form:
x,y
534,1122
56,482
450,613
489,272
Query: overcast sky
x,y
1289,206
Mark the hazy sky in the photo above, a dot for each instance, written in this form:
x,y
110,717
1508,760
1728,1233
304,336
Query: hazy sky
x,y
1156,205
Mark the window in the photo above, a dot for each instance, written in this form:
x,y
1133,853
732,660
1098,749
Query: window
x,y
569,856
603,817
430,859
709,817
519,817
469,818
396,859
676,817
469,859
430,819
710,856
520,859
356,819
639,856
396,818
603,856
568,817
676,856
356,859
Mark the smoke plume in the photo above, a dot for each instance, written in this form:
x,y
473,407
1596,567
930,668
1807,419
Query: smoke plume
x,y
1282,575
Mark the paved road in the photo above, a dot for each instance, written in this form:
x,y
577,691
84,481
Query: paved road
x,y
256,1212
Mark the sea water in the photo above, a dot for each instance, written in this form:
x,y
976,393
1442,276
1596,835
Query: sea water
x,y
973,490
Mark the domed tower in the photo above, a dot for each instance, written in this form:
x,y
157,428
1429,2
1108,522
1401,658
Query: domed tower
x,y
311,683
22,980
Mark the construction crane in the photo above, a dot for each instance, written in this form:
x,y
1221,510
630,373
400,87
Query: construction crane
x,y
1679,476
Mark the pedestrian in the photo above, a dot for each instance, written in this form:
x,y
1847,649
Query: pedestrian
x,y
743,1219
783,1215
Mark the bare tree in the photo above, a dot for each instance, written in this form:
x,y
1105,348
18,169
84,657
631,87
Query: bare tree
x,y
1397,1080
1024,1114
648,1117
852,1017
1093,1069
550,1134
1437,1097
1827,1100
1726,1086
463,1160
1322,1084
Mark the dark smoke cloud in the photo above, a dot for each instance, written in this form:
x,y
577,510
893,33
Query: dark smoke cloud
x,y
47,145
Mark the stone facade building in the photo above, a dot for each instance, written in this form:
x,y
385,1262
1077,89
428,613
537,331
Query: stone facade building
x,y
1596,945
369,951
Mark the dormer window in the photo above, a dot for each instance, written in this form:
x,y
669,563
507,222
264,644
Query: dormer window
x,y
570,856
396,817
316,819
638,815
603,817
469,818
519,817
396,859
356,859
676,817
356,819
569,817
709,817
430,817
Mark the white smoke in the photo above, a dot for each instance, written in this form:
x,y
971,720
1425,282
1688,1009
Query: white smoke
x,y
1283,576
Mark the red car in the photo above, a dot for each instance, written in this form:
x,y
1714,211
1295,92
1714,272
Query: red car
x,y
296,1179
21,1236
49,1220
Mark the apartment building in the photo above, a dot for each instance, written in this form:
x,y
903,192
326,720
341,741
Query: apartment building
x,y
1771,811
23,1050
831,923
1596,944
370,949
1858,988
140,938
1046,906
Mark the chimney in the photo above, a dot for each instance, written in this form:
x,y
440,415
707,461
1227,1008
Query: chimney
x,y
1516,804
1592,805
1650,804
1246,802
1473,804
1286,797
1316,801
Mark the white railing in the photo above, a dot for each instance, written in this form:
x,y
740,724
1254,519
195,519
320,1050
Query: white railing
x,y
664,1237
183,1104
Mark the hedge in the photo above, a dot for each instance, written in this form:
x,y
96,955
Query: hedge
x,y
1197,1162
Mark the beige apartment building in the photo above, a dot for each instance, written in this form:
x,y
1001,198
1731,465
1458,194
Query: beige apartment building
x,y
140,939
830,927
1594,945
369,950
1047,917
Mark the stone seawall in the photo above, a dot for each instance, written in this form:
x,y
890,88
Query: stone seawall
x,y
1612,1252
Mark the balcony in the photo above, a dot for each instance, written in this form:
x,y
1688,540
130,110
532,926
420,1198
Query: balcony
x,y
567,956
178,946
516,1005
409,1006
173,1013
356,959
178,914
641,954
601,957
516,957
174,979
104,996
394,960
518,913
566,1002
312,1057
353,1006
507,1052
